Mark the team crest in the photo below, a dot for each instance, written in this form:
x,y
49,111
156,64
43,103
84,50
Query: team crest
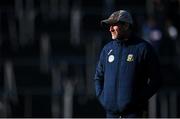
x,y
130,58
111,58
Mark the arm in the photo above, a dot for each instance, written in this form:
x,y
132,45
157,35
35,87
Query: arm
x,y
99,75
153,71
152,67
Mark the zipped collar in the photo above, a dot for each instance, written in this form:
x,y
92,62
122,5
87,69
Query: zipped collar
x,y
130,40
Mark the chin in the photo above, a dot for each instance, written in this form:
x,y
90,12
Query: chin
x,y
114,37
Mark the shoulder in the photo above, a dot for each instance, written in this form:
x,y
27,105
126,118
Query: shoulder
x,y
108,45
147,50
142,44
144,47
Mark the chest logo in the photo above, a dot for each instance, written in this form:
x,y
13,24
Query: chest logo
x,y
130,58
111,58
110,52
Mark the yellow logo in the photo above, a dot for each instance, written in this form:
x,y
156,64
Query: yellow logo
x,y
130,58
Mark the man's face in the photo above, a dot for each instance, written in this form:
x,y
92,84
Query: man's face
x,y
116,30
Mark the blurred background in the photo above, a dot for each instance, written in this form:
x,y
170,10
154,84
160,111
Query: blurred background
x,y
49,50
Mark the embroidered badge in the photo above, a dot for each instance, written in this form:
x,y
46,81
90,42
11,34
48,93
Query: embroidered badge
x,y
111,58
130,58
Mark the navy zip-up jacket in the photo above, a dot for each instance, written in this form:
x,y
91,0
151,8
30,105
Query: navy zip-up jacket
x,y
127,75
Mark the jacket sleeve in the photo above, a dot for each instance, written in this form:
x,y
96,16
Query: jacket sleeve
x,y
99,75
153,72
152,67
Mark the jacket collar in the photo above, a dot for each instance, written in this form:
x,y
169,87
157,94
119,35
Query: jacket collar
x,y
132,39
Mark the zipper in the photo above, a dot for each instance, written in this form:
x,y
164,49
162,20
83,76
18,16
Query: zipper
x,y
120,51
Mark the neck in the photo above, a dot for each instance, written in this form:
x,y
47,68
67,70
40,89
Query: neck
x,y
125,37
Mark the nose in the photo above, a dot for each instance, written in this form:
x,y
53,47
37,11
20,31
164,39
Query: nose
x,y
111,29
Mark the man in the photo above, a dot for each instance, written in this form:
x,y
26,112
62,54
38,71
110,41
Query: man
x,y
128,72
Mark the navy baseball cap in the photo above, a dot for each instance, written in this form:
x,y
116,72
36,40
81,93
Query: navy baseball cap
x,y
118,16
